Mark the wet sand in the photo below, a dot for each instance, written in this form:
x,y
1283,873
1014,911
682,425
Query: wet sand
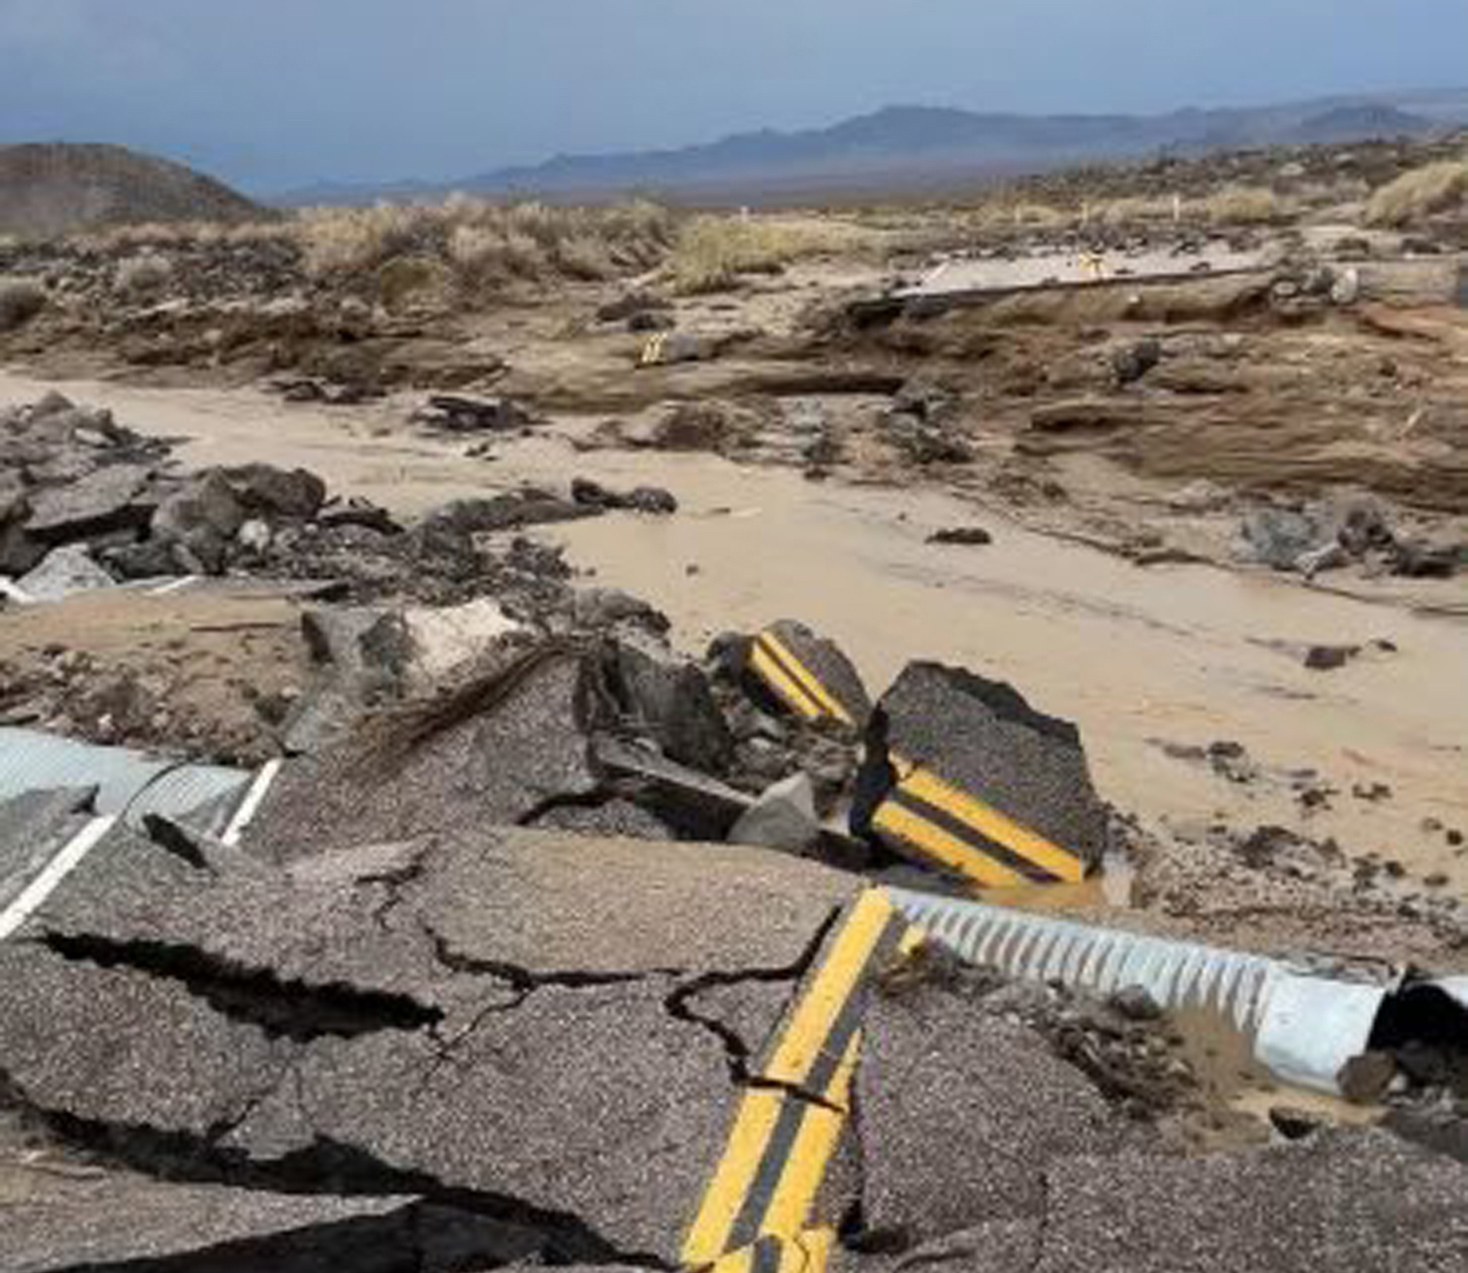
x,y
1133,655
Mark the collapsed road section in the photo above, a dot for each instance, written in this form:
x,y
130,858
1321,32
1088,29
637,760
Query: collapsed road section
x,y
524,939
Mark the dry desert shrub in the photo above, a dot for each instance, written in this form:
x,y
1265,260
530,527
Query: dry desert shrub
x,y
143,274
1136,210
21,299
1247,205
185,234
485,244
713,252
1422,192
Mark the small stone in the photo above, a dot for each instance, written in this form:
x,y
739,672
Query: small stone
x,y
963,535
1135,1003
1326,658
1295,1124
783,818
1364,1079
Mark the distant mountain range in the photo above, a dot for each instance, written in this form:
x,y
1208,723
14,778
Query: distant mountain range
x,y
916,146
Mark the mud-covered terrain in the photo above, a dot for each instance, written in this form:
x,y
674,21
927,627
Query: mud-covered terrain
x,y
483,603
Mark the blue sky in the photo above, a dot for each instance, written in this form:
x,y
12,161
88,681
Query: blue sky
x,y
276,93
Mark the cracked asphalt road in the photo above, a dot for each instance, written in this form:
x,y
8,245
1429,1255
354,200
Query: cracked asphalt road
x,y
415,1018
456,1052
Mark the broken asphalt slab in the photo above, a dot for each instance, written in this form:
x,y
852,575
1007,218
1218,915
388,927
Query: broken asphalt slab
x,y
495,753
962,1112
1341,1200
108,499
511,1023
807,674
965,777
124,1224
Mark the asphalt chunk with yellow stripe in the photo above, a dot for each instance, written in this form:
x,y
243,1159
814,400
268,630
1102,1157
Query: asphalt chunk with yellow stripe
x,y
970,838
962,776
792,1113
809,675
808,1252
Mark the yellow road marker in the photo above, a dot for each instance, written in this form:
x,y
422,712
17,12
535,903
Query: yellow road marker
x,y
782,683
810,1026
948,825
948,850
995,826
808,681
784,1134
808,1252
815,1144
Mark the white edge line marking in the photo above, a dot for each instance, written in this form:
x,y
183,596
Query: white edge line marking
x,y
56,870
173,585
251,803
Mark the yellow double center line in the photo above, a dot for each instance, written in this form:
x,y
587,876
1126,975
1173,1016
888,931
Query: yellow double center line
x,y
652,352
961,832
790,1118
796,684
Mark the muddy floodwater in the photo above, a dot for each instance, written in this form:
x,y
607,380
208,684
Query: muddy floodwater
x,y
1137,656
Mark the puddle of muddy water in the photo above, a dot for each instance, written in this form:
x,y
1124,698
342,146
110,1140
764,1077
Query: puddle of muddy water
x,y
1131,654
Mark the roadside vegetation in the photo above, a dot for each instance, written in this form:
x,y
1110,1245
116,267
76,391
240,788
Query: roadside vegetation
x,y
714,251
21,299
1423,192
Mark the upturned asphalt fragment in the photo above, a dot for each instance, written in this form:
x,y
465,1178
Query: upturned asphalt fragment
x,y
809,675
474,764
788,1125
962,775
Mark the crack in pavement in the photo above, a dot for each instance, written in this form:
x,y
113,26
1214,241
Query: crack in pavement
x,y
258,996
327,1168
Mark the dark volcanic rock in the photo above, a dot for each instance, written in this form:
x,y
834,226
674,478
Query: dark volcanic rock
x,y
504,512
274,492
670,699
642,499
204,518
965,535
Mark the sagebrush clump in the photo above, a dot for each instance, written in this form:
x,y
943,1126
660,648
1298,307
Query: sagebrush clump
x,y
144,274
1248,205
486,244
1422,192
21,299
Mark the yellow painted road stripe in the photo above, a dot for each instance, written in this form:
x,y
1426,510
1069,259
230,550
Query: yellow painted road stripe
x,y
652,352
802,1044
936,843
807,679
992,824
804,1037
759,1110
807,1252
805,1169
783,685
